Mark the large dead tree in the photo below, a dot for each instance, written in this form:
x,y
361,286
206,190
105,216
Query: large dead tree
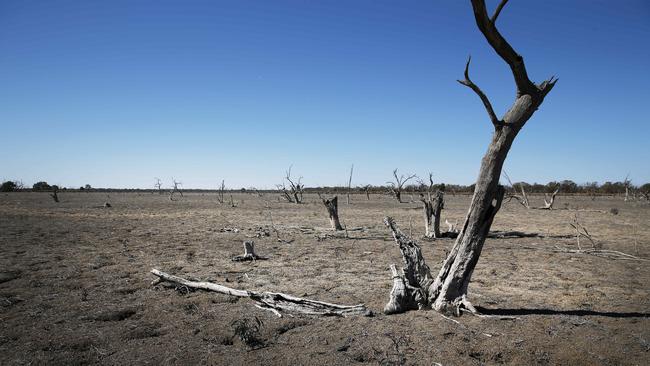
x,y
295,191
447,292
332,206
396,187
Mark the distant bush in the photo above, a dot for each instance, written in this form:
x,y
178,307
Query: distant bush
x,y
8,186
41,186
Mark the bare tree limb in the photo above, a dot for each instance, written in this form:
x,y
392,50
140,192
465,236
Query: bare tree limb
x,y
498,11
486,102
271,300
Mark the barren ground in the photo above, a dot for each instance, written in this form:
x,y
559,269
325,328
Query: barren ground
x,y
75,283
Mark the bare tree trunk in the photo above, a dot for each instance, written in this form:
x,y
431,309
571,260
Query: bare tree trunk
x,y
350,183
432,210
332,206
448,291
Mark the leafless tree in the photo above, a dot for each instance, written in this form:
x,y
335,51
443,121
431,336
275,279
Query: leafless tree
x,y
295,191
55,193
350,183
158,185
366,189
175,188
396,187
221,190
447,292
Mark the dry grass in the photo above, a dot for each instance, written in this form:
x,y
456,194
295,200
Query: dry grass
x,y
74,286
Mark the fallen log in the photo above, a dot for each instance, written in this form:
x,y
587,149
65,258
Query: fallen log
x,y
273,301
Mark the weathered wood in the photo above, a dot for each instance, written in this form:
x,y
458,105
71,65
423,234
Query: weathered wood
x,y
548,202
396,187
432,209
249,253
332,207
449,289
270,300
417,275
350,183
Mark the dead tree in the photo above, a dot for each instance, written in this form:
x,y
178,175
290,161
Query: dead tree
x,y
523,199
447,292
350,183
221,190
55,193
175,189
332,206
295,191
366,189
548,202
158,185
396,187
432,209
626,184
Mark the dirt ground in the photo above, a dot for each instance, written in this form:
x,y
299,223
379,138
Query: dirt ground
x,y
75,286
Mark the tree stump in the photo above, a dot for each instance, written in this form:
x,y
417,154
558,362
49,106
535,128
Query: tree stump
x,y
249,253
333,212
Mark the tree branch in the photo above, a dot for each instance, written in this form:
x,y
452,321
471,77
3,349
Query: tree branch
x,y
486,102
503,48
498,11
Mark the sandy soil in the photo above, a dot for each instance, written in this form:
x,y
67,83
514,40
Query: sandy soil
x,y
75,284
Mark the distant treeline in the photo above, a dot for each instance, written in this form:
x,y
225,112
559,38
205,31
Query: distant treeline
x,y
565,186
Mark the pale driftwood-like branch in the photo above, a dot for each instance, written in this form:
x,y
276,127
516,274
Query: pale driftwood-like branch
x,y
548,202
271,300
249,253
486,102
523,199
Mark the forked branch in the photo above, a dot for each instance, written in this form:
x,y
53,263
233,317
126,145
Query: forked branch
x,y
486,102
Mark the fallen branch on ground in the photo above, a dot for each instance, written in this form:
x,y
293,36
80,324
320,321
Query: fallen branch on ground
x,y
272,301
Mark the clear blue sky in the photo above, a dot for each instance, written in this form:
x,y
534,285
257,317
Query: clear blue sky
x,y
115,93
